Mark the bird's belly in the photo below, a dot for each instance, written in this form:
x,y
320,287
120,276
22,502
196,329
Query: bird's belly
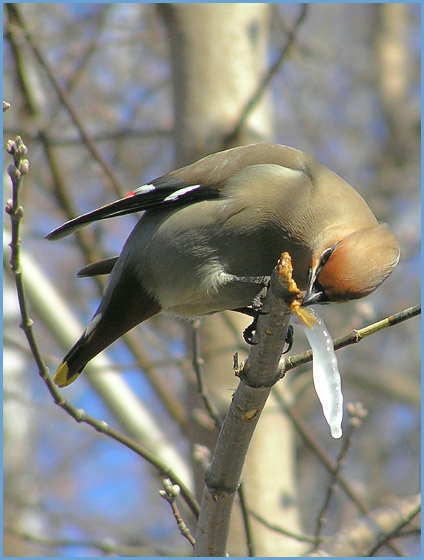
x,y
205,292
185,265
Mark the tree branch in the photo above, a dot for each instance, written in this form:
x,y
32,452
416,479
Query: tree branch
x,y
374,529
257,376
356,335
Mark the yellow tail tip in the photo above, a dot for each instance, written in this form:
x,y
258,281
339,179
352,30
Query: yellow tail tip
x,y
62,377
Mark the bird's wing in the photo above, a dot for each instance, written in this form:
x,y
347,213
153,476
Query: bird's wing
x,y
202,180
165,191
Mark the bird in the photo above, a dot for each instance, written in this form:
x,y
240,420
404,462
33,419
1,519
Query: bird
x,y
212,231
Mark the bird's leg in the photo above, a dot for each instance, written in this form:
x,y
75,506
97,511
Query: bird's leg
x,y
289,339
254,311
226,278
263,280
258,309
249,331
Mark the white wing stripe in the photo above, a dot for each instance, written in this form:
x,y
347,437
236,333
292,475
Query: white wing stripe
x,y
180,192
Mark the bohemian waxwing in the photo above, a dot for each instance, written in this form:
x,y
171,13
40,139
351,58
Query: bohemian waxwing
x,y
211,228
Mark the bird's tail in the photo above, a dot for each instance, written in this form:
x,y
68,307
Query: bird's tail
x,y
125,309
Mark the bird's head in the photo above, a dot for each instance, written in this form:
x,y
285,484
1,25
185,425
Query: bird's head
x,y
353,266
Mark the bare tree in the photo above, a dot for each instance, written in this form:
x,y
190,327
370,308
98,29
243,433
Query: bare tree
x,y
111,95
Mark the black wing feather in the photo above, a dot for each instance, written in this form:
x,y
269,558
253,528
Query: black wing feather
x,y
164,191
98,268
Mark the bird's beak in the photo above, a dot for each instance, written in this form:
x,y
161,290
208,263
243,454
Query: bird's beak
x,y
310,298
312,295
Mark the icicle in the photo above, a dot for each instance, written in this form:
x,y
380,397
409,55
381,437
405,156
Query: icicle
x,y
325,370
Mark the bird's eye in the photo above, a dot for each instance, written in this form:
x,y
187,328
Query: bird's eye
x,y
315,292
327,254
324,258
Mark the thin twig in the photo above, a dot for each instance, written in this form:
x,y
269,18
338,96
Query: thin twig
x,y
246,521
318,450
197,362
272,71
278,529
321,453
113,135
356,335
170,495
62,94
105,547
383,540
364,535
356,413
